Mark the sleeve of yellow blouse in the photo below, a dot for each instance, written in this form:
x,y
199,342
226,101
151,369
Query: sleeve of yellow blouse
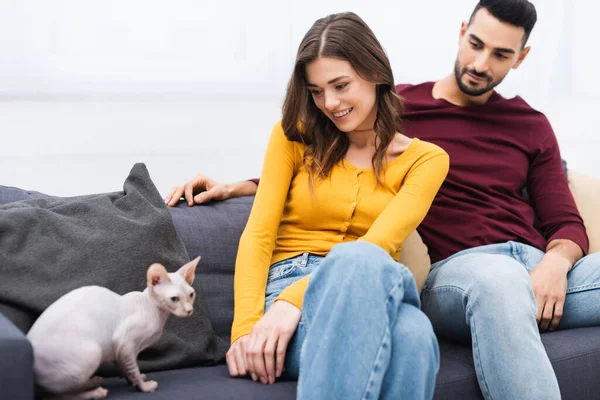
x,y
412,202
294,293
257,241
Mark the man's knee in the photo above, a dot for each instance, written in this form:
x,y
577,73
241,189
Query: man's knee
x,y
487,278
592,259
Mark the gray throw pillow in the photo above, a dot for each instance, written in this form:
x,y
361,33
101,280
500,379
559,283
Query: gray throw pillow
x,y
51,245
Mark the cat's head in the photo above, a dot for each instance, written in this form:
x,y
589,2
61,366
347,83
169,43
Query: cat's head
x,y
173,292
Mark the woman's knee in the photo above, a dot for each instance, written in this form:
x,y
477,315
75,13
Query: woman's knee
x,y
361,264
356,251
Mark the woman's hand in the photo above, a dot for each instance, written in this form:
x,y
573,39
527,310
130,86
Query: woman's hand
x,y
265,347
236,357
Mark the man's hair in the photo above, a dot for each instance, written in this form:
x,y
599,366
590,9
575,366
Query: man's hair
x,y
520,13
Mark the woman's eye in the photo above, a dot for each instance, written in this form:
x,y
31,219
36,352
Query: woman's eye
x,y
315,92
174,299
341,86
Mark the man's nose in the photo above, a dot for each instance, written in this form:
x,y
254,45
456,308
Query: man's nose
x,y
481,63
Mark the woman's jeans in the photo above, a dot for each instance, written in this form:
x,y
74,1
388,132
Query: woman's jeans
x,y
361,334
483,296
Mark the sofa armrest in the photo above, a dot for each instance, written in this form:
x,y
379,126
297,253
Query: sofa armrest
x,y
16,362
586,192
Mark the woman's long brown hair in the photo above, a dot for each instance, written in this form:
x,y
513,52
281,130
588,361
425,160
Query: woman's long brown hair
x,y
346,37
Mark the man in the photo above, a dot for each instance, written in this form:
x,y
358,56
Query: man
x,y
504,268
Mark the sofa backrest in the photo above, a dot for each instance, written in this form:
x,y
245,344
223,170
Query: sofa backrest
x,y
213,231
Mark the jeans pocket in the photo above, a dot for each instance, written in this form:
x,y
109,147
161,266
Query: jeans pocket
x,y
286,272
283,268
520,253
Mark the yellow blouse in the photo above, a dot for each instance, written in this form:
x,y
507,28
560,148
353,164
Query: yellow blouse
x,y
286,220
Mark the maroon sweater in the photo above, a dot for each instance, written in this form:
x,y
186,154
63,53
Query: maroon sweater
x,y
496,150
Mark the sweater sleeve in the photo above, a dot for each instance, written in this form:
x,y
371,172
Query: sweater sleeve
x,y
550,195
294,293
412,202
257,241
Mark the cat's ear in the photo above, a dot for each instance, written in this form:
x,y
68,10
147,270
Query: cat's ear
x,y
188,271
157,274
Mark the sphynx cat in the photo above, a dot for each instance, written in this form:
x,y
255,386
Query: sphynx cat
x,y
92,325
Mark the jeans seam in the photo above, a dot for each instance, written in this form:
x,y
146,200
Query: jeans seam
x,y
582,288
375,367
304,326
483,383
387,332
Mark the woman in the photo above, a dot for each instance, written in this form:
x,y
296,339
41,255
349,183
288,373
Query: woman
x,y
318,295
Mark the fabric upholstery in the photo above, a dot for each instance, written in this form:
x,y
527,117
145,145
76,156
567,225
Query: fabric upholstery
x,y
586,191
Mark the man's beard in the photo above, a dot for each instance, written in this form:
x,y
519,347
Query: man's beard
x,y
458,74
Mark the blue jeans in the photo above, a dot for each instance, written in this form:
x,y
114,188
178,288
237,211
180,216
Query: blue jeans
x,y
361,333
483,297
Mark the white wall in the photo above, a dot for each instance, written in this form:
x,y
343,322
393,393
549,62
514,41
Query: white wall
x,y
89,87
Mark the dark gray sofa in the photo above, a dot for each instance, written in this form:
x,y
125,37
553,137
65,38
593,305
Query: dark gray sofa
x,y
213,231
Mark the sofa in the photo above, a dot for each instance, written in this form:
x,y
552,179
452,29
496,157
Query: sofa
x,y
213,231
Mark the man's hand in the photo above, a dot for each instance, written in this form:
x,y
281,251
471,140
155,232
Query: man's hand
x,y
199,190
265,347
549,282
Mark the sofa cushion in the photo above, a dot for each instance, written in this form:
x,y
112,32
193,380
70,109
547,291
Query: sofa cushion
x,y
586,191
574,355
9,194
203,383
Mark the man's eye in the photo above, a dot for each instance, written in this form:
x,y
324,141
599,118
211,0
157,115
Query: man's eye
x,y
474,45
501,56
174,299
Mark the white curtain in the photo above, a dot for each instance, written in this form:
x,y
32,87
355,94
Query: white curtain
x,y
98,84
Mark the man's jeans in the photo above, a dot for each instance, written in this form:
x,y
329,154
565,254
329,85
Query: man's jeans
x,y
361,334
483,296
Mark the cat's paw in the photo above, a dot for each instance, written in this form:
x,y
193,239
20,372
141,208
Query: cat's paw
x,y
148,386
98,393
